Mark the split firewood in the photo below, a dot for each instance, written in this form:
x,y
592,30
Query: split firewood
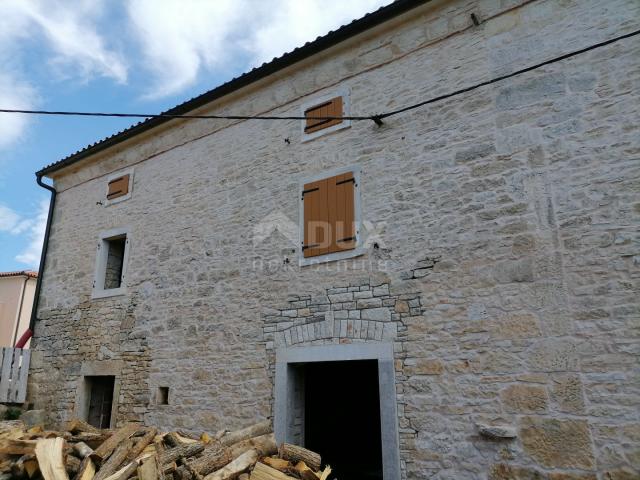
x,y
215,456
143,442
30,465
325,473
148,469
277,463
72,464
94,440
296,454
305,472
175,453
83,450
115,460
76,426
243,476
125,472
87,469
265,472
17,447
236,467
110,444
256,430
49,455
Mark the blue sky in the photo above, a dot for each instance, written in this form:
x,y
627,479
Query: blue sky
x,y
126,56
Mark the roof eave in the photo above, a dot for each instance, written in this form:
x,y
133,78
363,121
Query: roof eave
x,y
331,39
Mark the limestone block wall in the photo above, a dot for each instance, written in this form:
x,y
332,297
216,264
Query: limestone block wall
x,y
508,216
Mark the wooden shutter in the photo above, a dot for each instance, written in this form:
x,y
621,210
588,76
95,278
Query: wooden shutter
x,y
342,212
332,108
329,215
316,237
118,187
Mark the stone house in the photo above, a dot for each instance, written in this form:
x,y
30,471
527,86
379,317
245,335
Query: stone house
x,y
479,276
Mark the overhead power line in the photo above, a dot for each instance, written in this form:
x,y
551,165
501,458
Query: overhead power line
x,y
377,118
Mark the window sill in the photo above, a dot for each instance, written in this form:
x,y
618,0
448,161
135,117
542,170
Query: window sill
x,y
331,257
112,292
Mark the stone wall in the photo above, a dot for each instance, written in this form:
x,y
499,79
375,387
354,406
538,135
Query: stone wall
x,y
508,216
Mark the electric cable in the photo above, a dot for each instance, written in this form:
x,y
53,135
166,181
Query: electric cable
x,y
377,118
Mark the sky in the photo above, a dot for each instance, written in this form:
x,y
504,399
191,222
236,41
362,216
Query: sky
x,y
122,56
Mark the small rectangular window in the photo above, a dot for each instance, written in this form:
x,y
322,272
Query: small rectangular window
x,y
163,396
329,215
115,262
111,263
118,187
315,114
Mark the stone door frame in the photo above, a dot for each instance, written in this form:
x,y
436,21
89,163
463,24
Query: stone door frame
x,y
284,405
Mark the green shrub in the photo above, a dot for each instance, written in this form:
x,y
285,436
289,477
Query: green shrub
x,y
12,413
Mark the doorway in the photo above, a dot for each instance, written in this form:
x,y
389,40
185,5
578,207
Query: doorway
x,y
100,400
342,417
340,400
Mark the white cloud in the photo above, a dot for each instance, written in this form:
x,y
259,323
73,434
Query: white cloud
x,y
32,230
14,94
70,29
181,38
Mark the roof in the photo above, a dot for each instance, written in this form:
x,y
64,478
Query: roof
x,y
324,42
20,273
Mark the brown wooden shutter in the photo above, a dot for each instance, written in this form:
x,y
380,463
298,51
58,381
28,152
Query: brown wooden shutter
x,y
316,235
329,215
118,187
342,212
332,108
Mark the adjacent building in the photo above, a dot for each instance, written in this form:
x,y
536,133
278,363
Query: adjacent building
x,y
448,292
16,300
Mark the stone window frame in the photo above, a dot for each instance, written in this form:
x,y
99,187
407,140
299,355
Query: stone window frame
x,y
343,92
357,206
102,252
382,352
113,176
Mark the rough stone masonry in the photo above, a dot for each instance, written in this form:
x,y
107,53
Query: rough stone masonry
x,y
503,266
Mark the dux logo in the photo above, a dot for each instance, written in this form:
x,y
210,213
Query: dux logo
x,y
275,222
278,222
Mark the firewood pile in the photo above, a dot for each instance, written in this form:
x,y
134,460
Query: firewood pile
x,y
133,451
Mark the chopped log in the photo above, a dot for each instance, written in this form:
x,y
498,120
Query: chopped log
x,y
175,453
256,430
296,454
83,451
72,464
115,461
325,473
216,457
236,467
277,463
17,469
265,472
148,469
30,465
17,447
49,455
125,472
305,472
143,442
87,469
114,440
172,440
243,476
12,429
94,440
76,426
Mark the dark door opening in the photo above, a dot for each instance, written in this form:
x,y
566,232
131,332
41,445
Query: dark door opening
x,y
342,417
100,400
